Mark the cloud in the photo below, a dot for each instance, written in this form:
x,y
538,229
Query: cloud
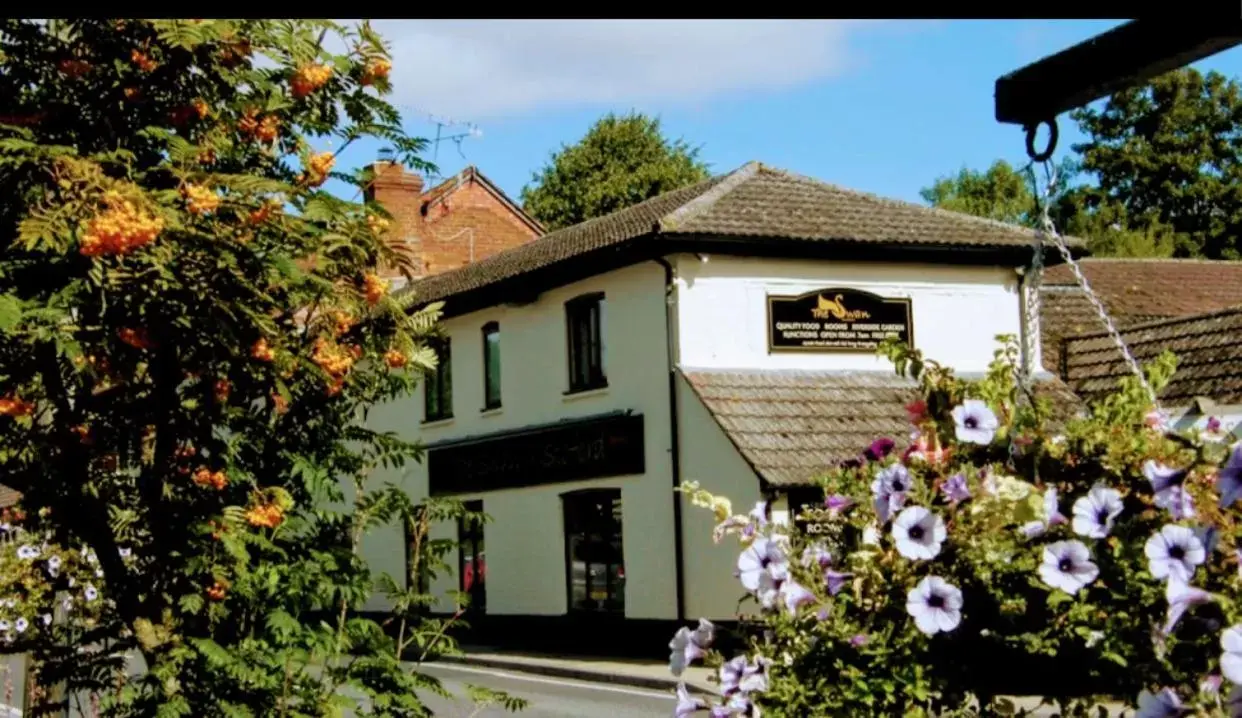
x,y
476,69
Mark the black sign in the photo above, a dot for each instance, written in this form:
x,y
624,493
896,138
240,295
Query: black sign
x,y
837,320
806,506
586,449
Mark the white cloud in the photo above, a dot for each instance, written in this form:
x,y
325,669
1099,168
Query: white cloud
x,y
476,69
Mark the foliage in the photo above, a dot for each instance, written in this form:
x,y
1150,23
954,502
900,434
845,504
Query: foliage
x,y
1001,193
193,331
958,572
621,161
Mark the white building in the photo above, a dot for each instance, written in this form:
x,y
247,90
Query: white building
x,y
722,333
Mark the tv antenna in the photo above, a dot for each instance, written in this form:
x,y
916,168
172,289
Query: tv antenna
x,y
449,130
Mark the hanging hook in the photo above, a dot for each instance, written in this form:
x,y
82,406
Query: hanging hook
x,y
1052,140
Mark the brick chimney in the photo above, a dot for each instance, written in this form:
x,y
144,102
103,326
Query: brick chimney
x,y
400,193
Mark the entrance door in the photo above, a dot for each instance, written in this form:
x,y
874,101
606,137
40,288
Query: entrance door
x,y
594,563
472,565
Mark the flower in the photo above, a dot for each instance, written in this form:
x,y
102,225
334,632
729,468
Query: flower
x,y
889,489
835,581
795,595
739,677
858,640
918,533
20,625
1051,516
686,703
26,552
91,593
816,554
1181,596
976,424
1164,704
916,411
1166,483
879,449
1231,658
1229,478
1067,565
689,645
761,564
5,625
1157,420
1179,503
46,618
935,605
837,503
1095,513
53,566
955,489
1173,552
731,674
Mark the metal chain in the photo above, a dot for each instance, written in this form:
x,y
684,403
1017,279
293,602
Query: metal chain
x,y
1047,230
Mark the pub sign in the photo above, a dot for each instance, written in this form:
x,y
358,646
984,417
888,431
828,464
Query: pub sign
x,y
837,320
594,448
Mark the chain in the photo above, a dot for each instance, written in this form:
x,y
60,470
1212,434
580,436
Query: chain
x,y
1047,230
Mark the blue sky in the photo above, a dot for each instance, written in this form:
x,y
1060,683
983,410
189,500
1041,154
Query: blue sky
x,y
883,107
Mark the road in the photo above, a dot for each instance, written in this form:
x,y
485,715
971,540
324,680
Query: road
x,y
549,697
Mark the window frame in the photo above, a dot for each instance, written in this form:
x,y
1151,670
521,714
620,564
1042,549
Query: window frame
x,y
614,594
439,383
491,402
584,314
474,536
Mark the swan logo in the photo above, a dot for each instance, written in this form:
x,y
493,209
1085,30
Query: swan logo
x,y
835,309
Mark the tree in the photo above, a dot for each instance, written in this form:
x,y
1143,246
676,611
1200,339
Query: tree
x,y
1001,193
621,161
192,332
1170,152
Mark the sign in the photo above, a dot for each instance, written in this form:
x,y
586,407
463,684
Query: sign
x,y
610,445
806,506
837,320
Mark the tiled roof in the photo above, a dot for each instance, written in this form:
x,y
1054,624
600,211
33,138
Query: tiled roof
x,y
793,425
754,201
1208,348
1133,291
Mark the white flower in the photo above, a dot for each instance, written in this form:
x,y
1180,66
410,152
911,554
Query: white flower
x,y
816,554
795,595
5,625
935,605
1231,659
1067,565
26,552
689,645
1095,513
762,558
918,533
871,537
1051,516
1164,704
1181,596
976,424
67,603
46,618
1174,552
20,625
90,593
124,552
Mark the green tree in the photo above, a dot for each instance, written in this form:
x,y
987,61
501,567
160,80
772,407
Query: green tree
x,y
621,161
192,333
1001,193
1170,152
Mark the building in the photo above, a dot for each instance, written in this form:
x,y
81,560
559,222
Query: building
x,y
723,333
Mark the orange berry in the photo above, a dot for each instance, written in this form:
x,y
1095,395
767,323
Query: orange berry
x,y
376,287
216,591
74,68
222,389
377,224
317,168
344,323
265,516
268,129
200,107
262,351
376,69
132,93
280,403
214,479
249,123
14,406
200,200
144,63
395,359
119,229
309,78
136,338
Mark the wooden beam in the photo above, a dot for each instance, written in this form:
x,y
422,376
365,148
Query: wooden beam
x,y
1123,57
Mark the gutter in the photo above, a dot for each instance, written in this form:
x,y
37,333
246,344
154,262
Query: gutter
x,y
670,306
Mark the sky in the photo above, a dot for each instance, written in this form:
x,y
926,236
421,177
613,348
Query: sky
x,y
879,106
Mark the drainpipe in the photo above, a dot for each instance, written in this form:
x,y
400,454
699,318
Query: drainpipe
x,y
670,306
1024,325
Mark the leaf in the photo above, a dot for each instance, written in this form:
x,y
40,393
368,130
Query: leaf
x,y
10,312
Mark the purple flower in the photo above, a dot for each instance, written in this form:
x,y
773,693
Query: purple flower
x,y
795,595
836,581
20,625
1211,684
837,503
816,554
759,514
935,605
918,533
1213,424
1052,516
1166,484
1174,552
1095,513
689,645
1181,596
1164,704
1208,536
731,674
1067,565
1178,501
976,424
879,449
764,557
859,640
1231,658
755,676
889,489
686,703
1229,478
823,613
955,488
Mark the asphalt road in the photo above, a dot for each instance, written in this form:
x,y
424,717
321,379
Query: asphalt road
x,y
549,697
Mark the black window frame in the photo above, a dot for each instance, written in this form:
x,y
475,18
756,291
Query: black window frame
x,y
614,592
492,395
584,341
472,535
439,383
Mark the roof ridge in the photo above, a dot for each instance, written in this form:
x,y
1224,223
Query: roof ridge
x,y
1155,260
1156,323
706,200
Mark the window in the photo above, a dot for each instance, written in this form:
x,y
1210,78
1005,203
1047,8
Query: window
x,y
472,569
438,391
491,366
416,574
594,565
584,318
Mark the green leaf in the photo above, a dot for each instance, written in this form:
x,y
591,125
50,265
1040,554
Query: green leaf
x,y
10,312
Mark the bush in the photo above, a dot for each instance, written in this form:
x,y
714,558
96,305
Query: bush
x,y
1005,552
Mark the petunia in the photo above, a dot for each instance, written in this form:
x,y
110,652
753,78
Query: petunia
x,y
795,595
1170,494
1211,684
1208,536
755,676
1051,516
5,625
816,554
935,605
871,535
955,489
731,525
26,552
1157,420
1095,513
1229,478
686,703
763,557
67,603
20,625
731,674
889,489
859,640
46,618
91,593
835,581
1174,552
689,645
1181,596
976,424
759,514
1164,704
918,533
837,503
1178,502
124,552
879,449
1231,656
1067,565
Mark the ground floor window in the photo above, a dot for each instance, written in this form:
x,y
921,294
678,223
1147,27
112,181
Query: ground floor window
x,y
594,563
472,568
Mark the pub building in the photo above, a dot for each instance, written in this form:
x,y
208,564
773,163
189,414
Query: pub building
x,y
723,333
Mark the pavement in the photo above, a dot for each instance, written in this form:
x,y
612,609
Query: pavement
x,y
549,697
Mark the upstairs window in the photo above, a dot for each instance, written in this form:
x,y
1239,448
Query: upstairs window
x,y
491,366
438,388
584,317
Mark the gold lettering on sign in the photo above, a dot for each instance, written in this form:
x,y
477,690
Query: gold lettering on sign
x,y
835,308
